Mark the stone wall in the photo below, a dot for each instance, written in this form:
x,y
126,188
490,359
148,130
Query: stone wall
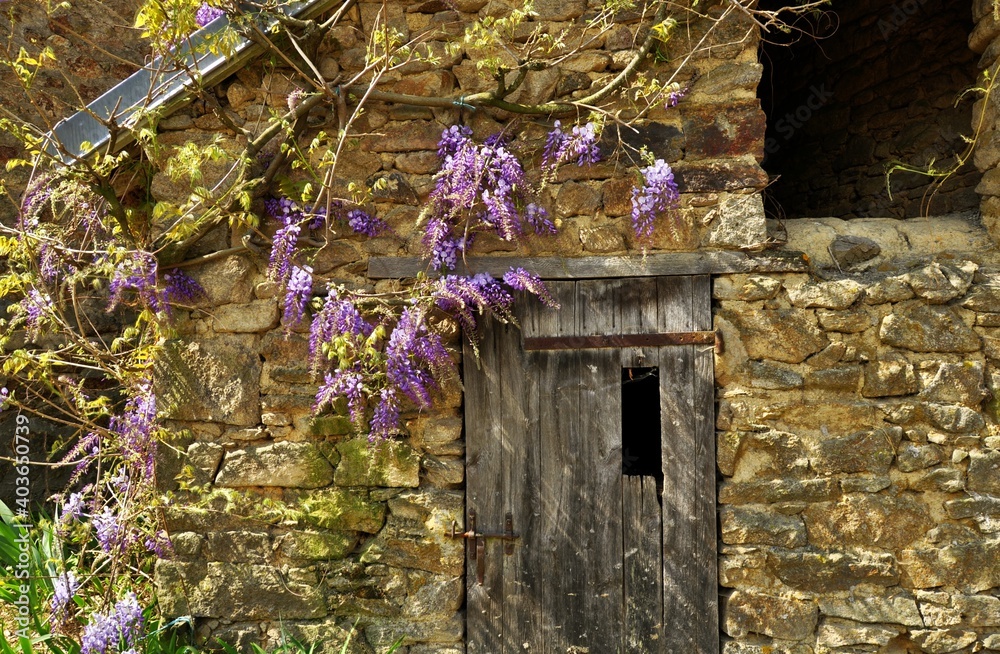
x,y
859,443
301,524
857,435
985,40
879,84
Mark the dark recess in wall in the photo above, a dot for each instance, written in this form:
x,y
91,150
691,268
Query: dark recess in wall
x,y
858,88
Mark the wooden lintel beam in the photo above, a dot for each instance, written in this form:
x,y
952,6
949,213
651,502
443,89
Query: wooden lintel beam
x,y
651,265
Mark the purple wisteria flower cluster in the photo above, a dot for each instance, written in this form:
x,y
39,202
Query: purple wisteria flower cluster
x,y
657,195
579,145
206,14
64,587
484,187
117,630
136,273
179,287
296,280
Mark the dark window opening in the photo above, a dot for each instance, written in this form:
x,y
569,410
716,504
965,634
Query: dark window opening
x,y
641,454
851,91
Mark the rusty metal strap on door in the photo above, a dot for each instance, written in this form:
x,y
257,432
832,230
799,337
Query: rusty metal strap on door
x,y
623,340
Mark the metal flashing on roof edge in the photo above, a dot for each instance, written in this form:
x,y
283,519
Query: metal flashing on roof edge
x,y
159,86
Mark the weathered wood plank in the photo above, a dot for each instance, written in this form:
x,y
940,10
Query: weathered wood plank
x,y
483,417
637,308
562,492
643,567
680,474
651,265
598,541
706,591
522,574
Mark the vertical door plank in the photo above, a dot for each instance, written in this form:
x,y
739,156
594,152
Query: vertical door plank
x,y
706,562
599,473
643,567
522,574
680,474
641,514
483,417
559,448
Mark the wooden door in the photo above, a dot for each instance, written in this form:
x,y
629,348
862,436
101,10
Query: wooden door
x,y
604,562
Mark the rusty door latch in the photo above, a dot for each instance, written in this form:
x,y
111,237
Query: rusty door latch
x,y
477,541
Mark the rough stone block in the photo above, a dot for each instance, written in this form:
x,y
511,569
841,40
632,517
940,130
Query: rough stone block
x,y
224,281
750,526
285,464
317,545
970,565
863,520
955,419
777,490
383,632
940,641
844,633
888,379
983,298
826,571
789,619
874,605
204,460
978,610
386,464
938,284
234,592
787,335
738,222
747,288
890,289
212,380
723,130
847,322
346,510
956,383
841,378
764,455
837,295
253,317
238,546
764,375
871,451
984,472
433,596
912,456
973,507
923,328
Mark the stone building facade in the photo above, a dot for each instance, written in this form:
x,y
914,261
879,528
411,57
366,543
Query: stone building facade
x,y
858,437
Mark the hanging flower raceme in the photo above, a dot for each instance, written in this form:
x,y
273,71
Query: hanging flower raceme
x,y
64,587
580,145
298,292
117,630
483,187
657,195
137,272
35,308
179,287
136,431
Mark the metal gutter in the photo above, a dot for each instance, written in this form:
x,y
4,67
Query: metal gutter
x,y
161,86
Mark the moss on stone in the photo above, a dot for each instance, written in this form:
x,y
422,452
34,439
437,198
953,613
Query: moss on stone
x,y
343,509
